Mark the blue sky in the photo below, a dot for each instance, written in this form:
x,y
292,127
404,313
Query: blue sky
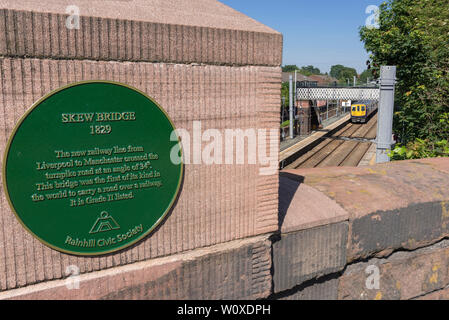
x,y
317,32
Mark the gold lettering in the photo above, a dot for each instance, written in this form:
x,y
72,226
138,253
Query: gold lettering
x,y
115,116
77,117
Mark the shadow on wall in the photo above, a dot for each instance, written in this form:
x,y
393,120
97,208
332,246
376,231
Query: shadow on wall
x,y
288,185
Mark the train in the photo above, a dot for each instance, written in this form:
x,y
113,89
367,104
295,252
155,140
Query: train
x,y
361,110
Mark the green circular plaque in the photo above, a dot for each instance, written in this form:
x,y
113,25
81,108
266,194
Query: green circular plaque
x,y
88,170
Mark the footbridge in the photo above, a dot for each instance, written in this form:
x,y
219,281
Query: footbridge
x,y
336,93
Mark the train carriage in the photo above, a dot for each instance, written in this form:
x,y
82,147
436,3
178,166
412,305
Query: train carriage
x,y
361,110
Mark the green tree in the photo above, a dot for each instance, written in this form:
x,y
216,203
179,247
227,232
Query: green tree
x,y
309,70
365,75
414,36
285,90
343,73
290,68
336,70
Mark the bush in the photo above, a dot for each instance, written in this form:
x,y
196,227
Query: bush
x,y
413,35
420,149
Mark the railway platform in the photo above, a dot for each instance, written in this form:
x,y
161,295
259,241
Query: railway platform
x,y
341,144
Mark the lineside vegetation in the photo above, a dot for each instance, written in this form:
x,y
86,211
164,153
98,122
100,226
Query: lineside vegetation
x,y
414,36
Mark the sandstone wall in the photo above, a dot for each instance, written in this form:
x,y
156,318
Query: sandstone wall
x,y
375,232
216,66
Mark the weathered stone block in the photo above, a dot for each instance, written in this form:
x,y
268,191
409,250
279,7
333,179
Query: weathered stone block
x,y
403,275
402,204
323,289
307,254
410,227
442,294
236,270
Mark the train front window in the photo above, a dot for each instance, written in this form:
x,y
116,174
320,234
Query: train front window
x,y
363,108
358,108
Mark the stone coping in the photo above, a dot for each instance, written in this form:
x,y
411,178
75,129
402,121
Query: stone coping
x,y
364,190
201,13
392,206
304,207
181,31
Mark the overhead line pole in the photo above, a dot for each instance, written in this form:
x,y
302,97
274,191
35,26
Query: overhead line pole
x,y
294,97
385,114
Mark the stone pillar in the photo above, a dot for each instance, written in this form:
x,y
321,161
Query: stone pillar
x,y
201,61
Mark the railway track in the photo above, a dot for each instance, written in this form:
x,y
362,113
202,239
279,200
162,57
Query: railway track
x,y
345,147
